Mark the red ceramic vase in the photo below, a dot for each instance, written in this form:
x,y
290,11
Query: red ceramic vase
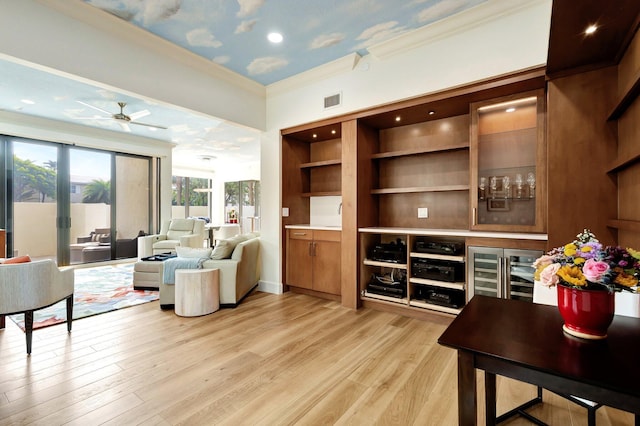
x,y
587,313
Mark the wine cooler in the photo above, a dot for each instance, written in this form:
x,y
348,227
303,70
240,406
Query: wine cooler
x,y
504,273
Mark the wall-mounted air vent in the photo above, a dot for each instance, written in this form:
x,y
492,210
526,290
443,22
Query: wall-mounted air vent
x,y
332,100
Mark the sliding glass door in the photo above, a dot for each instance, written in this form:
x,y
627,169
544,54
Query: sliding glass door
x,y
132,213
70,204
32,194
90,196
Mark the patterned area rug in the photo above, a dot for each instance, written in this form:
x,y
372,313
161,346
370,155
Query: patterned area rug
x,y
97,290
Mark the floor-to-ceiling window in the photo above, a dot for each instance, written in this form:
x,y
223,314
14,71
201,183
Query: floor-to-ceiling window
x,y
32,194
62,202
242,204
191,197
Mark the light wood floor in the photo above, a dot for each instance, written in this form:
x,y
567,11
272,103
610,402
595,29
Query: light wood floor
x,y
276,359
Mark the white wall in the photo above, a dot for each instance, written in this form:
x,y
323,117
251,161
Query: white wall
x,y
487,41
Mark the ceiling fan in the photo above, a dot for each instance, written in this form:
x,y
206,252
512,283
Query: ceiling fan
x,y
123,119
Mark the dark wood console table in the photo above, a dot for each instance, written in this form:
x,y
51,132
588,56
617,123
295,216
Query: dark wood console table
x,y
525,341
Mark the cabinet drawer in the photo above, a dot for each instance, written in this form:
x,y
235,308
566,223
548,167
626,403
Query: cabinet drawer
x,y
319,235
300,234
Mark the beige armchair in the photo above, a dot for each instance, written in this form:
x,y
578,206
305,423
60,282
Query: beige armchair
x,y
28,287
173,233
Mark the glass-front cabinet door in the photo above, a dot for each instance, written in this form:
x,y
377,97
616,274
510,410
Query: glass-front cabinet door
x,y
519,270
507,160
484,271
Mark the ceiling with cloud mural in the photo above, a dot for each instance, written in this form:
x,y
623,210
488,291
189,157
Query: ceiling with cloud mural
x,y
314,32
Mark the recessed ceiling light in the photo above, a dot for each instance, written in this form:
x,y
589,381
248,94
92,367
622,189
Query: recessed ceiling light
x,y
591,29
398,118
512,109
333,132
431,112
275,37
314,136
27,101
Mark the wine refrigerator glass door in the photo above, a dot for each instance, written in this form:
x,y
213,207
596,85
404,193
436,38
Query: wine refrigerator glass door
x,y
484,272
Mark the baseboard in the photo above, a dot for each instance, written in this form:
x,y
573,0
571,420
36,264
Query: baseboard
x,y
167,307
270,287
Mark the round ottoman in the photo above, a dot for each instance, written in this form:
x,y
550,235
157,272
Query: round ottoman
x,y
197,292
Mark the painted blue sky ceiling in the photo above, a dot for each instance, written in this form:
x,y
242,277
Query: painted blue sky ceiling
x,y
233,33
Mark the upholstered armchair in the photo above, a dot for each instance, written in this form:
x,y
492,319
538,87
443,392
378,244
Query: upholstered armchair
x,y
28,287
173,233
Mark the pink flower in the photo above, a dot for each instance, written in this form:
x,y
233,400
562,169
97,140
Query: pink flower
x,y
543,260
593,270
548,275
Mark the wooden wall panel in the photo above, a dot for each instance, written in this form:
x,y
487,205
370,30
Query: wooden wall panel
x,y
432,169
447,210
435,134
581,145
349,249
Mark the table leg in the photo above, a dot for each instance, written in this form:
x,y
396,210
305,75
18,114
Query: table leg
x,y
490,398
467,398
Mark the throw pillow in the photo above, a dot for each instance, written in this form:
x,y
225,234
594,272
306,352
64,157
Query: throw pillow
x,y
191,252
17,259
224,249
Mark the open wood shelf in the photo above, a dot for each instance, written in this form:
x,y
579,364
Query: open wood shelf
x,y
627,225
321,194
370,262
627,98
622,164
439,308
321,163
443,284
403,153
449,257
399,301
440,188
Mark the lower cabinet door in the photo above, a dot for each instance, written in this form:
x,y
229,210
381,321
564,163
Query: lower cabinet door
x,y
326,267
300,263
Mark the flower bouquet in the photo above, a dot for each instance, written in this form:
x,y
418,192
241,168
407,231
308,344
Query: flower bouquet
x,y
587,275
588,265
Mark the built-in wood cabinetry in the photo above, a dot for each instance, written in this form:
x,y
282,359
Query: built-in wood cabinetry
x,y
313,260
405,165
508,163
625,168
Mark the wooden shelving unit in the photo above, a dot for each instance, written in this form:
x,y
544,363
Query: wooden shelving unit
x,y
441,188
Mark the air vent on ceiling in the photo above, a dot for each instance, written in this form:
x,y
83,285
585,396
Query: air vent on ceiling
x,y
332,100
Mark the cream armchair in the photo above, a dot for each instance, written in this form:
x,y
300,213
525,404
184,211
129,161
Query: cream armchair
x,y
28,287
173,233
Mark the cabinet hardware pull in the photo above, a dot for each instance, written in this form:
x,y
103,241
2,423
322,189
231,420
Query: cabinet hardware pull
x,y
310,249
300,233
475,213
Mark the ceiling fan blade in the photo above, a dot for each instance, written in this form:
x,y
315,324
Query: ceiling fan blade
x,y
125,126
93,118
139,114
95,107
148,125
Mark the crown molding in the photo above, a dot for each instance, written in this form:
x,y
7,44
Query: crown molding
x,y
321,72
455,24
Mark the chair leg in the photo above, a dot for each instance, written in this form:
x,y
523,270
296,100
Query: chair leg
x,y
69,312
28,329
2,321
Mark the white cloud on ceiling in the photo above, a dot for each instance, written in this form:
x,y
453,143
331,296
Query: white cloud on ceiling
x,y
202,37
361,6
379,33
266,65
221,59
441,10
249,7
326,40
245,26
